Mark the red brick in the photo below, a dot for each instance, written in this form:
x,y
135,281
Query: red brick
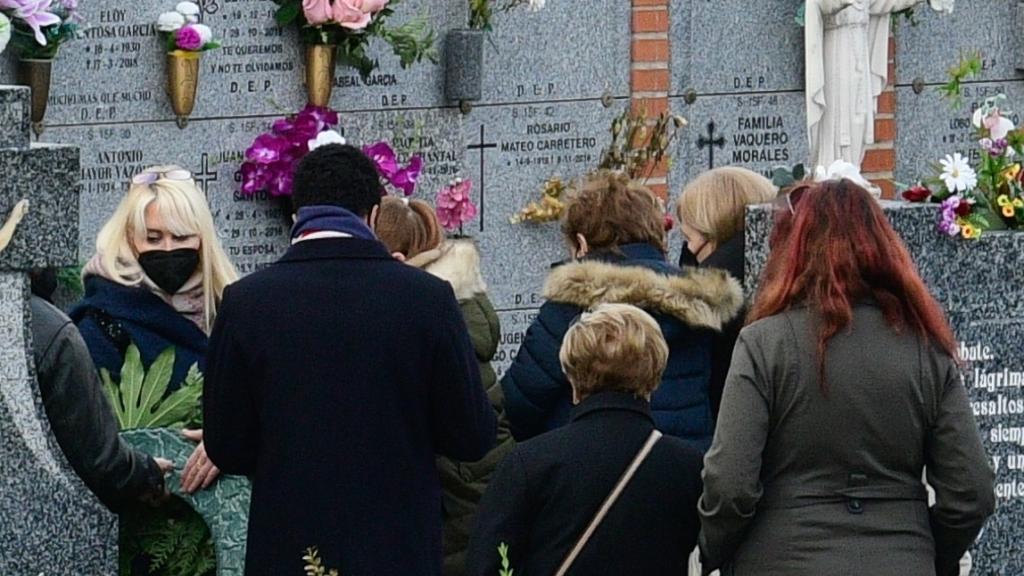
x,y
651,80
647,50
879,161
653,106
650,21
660,189
888,188
637,3
885,130
887,102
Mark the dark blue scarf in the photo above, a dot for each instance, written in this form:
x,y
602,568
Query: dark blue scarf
x,y
330,219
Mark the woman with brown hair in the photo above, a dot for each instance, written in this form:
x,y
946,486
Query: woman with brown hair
x,y
844,387
615,232
411,231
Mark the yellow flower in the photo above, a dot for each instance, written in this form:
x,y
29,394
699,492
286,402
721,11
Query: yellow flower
x,y
969,231
1003,200
1018,203
1012,172
1008,211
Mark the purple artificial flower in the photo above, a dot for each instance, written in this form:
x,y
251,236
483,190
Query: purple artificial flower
x,y
266,149
188,38
325,117
284,177
455,206
948,223
34,13
255,177
406,178
384,157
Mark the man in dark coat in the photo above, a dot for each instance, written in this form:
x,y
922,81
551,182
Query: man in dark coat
x,y
333,378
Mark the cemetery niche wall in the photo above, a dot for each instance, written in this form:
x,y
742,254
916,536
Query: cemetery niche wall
x,y
551,87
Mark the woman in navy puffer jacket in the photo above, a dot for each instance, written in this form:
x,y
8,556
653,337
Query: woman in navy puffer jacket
x,y
615,229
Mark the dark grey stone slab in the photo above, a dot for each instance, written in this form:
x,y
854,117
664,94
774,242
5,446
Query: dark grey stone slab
x,y
224,505
563,52
755,131
736,46
927,51
978,284
48,176
929,128
14,117
117,72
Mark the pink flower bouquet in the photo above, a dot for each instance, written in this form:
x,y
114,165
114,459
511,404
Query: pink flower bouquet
x,y
271,160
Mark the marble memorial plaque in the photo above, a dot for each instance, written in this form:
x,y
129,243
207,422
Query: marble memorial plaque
x,y
563,52
116,73
755,131
512,151
927,51
929,128
736,46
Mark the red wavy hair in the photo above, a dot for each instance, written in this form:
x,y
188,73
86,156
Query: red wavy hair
x,y
836,248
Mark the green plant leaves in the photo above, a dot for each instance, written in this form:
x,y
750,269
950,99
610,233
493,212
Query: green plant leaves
x,y
138,400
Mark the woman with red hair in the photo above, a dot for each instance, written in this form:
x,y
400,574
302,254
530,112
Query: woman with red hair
x,y
844,388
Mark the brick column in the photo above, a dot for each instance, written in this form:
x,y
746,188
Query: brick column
x,y
880,160
650,77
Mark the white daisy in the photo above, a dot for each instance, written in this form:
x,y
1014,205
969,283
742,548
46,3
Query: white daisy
x,y
957,174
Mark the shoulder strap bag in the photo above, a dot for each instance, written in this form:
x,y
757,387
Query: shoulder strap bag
x,y
610,501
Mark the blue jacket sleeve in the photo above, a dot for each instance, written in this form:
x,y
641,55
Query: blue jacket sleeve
x,y
230,413
537,394
465,427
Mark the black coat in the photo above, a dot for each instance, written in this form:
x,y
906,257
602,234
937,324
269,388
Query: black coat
x,y
81,417
549,488
731,258
332,379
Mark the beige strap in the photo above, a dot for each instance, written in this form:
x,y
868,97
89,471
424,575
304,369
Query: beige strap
x,y
610,501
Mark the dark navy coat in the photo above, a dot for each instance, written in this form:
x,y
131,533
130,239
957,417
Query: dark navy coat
x,y
111,317
333,378
689,306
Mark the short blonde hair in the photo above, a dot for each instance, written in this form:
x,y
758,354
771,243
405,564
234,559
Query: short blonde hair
x,y
407,226
715,202
186,213
614,348
610,210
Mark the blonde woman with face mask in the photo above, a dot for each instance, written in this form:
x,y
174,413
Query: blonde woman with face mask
x,y
156,281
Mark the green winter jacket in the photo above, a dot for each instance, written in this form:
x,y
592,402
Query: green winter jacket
x,y
463,483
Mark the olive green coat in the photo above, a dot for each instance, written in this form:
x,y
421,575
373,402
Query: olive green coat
x,y
463,483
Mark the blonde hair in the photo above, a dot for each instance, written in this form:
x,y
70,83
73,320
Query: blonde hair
x,y
408,226
610,210
714,203
185,213
614,347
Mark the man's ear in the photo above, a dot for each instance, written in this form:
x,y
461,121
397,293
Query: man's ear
x,y
398,256
371,218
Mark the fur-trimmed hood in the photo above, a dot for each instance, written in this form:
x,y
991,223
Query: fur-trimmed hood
x,y
458,263
703,298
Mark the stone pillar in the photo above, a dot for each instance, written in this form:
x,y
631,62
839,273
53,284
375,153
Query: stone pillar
x,y
49,521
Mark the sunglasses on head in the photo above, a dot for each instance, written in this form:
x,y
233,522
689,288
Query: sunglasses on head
x,y
788,201
151,176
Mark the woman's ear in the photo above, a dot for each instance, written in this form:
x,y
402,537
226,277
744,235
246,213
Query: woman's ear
x,y
581,246
371,219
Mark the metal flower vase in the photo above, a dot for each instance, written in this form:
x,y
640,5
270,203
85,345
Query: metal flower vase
x,y
182,84
464,66
320,62
35,73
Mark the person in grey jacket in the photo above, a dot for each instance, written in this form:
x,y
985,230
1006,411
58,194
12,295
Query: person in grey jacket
x,y
843,389
81,417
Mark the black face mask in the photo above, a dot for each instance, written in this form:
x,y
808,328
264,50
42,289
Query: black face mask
x,y
170,269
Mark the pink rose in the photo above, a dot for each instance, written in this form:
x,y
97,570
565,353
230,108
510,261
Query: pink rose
x,y
317,12
370,6
188,38
349,15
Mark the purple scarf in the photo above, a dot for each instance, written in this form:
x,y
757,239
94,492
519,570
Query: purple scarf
x,y
330,219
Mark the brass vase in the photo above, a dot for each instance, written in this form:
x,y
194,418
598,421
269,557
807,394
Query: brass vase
x,y
35,73
182,84
320,60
